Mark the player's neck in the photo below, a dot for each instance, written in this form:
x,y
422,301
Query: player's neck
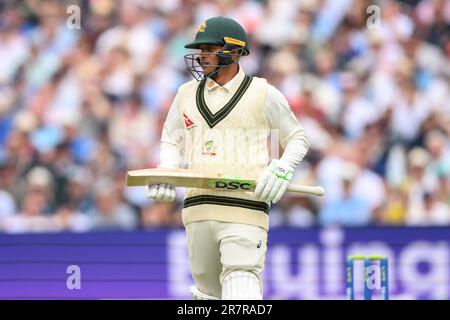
x,y
226,74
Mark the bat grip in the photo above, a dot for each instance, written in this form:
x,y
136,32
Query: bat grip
x,y
314,190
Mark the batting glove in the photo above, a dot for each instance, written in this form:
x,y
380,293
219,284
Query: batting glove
x,y
274,181
161,192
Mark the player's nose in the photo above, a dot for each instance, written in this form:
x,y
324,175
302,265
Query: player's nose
x,y
203,60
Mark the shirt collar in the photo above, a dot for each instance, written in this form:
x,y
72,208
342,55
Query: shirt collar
x,y
230,85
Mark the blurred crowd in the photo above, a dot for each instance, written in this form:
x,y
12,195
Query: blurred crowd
x,y
82,104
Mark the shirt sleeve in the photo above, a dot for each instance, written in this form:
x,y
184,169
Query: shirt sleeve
x,y
292,134
172,138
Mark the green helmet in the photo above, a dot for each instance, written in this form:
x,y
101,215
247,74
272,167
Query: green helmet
x,y
221,31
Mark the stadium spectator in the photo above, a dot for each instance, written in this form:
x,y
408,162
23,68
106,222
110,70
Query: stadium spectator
x,y
109,212
161,215
350,209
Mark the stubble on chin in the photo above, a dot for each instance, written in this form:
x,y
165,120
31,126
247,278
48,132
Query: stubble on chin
x,y
207,71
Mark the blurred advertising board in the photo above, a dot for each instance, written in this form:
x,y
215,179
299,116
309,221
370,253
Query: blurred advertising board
x,y
300,263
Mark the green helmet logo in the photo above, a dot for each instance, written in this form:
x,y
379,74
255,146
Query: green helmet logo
x,y
202,27
220,31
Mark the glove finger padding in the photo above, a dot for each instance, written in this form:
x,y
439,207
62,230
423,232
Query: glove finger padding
x,y
161,192
172,194
274,190
268,187
151,191
262,183
280,192
169,193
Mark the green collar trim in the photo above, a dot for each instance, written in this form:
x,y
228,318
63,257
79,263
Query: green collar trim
x,y
214,119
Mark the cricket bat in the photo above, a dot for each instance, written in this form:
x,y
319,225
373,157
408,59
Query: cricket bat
x,y
191,179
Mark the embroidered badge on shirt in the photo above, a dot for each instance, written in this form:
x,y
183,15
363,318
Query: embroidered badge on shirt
x,y
209,149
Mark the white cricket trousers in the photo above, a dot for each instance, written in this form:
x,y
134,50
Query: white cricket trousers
x,y
217,248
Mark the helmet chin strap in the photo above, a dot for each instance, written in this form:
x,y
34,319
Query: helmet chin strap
x,y
225,62
213,75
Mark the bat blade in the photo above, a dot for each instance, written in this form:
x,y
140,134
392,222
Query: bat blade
x,y
187,178
191,179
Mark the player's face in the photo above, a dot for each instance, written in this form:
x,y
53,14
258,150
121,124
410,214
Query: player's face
x,y
208,58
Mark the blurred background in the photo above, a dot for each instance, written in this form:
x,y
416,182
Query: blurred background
x,y
83,100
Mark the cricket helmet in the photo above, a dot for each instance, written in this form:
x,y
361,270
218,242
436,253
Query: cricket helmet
x,y
221,31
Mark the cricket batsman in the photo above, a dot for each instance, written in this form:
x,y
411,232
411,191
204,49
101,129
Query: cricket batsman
x,y
220,121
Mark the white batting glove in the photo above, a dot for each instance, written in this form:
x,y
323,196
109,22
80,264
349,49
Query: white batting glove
x,y
161,192
274,181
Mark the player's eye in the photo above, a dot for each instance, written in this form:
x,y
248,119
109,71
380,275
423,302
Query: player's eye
x,y
207,50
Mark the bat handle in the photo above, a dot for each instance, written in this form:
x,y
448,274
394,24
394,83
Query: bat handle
x,y
314,190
